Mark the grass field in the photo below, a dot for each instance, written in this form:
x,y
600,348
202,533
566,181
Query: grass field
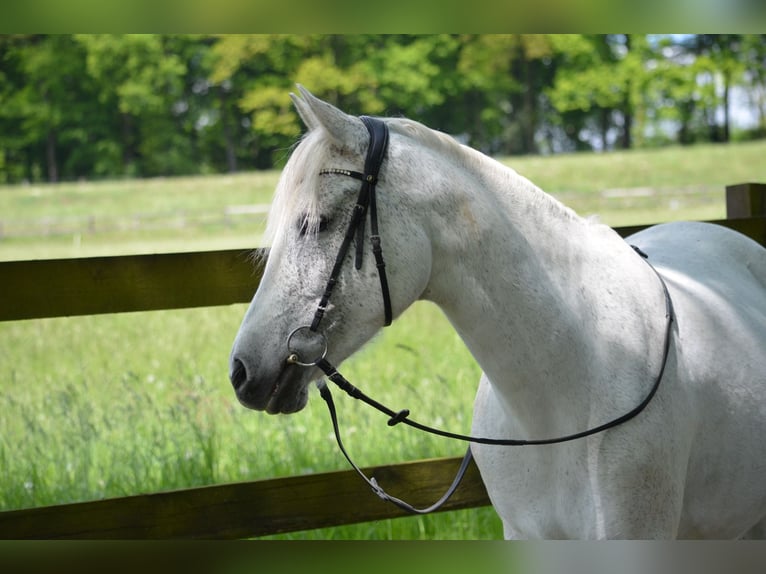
x,y
128,403
623,188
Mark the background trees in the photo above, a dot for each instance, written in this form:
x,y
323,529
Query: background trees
x,y
89,106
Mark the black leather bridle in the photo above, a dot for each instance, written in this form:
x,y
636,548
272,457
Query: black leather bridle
x,y
308,339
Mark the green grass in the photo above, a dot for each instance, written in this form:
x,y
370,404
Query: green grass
x,y
173,214
121,404
622,188
121,197
647,186
663,169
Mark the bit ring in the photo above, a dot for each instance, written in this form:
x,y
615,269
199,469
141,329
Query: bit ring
x,y
306,334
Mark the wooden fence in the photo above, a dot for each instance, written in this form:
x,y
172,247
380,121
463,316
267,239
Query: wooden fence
x,y
52,288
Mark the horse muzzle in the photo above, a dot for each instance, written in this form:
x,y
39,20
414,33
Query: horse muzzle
x,y
281,393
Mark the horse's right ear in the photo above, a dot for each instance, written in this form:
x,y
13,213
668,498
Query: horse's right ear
x,y
348,131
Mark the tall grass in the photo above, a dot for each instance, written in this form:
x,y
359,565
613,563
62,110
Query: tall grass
x,y
122,404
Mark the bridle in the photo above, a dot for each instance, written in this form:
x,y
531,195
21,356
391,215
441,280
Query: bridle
x,y
308,340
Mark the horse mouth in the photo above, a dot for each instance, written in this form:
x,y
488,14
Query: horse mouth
x,y
287,394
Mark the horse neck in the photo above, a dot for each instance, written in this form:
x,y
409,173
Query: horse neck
x,y
545,300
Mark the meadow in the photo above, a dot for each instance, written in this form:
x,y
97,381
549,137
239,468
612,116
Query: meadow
x,y
113,405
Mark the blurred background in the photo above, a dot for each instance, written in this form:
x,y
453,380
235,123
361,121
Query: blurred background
x,y
78,107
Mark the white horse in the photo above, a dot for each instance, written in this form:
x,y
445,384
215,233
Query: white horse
x,y
566,320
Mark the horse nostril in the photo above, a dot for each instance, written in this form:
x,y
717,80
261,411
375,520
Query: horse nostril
x,y
238,374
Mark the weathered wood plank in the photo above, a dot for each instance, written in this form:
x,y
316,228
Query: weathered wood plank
x,y
746,200
250,509
753,227
62,287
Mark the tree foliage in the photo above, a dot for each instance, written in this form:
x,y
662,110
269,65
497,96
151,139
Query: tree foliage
x,y
87,106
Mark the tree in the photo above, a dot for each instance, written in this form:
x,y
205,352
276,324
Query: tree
x,y
371,73
722,50
675,94
113,105
140,79
753,57
251,76
44,109
692,78
602,78
503,79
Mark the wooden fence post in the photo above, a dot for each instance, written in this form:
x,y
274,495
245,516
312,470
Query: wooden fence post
x,y
745,200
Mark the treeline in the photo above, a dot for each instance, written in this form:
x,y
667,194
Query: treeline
x,y
93,106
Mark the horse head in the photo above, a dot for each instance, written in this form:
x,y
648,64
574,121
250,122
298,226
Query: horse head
x,y
309,219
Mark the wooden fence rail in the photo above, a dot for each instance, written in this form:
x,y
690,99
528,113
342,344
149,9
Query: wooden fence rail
x,y
248,509
88,286
52,288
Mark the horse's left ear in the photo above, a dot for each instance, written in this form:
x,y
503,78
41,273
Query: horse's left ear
x,y
347,131
304,112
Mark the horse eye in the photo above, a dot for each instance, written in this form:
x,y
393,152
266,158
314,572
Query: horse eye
x,y
323,223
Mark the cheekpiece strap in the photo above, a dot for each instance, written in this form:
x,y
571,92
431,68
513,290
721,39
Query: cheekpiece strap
x,y
366,203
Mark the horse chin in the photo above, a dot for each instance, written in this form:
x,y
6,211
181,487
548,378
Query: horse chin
x,y
284,396
288,402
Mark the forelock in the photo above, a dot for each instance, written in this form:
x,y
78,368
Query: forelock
x,y
297,192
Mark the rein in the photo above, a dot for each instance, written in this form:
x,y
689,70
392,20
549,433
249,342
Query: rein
x,y
309,336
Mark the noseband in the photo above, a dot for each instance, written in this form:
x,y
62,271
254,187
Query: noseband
x,y
307,347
